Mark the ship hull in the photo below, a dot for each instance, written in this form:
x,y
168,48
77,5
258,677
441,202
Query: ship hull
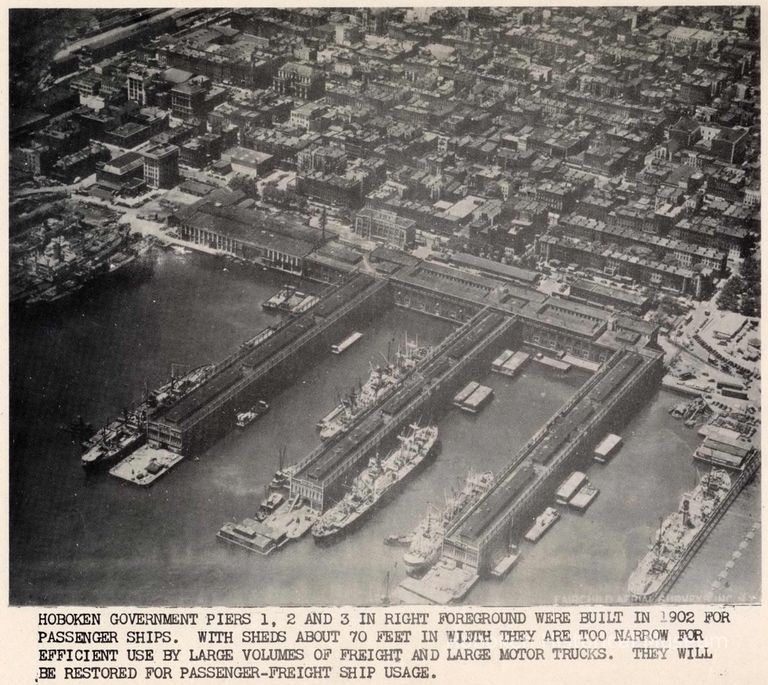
x,y
111,456
677,535
360,515
428,542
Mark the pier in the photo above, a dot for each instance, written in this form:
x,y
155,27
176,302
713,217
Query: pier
x,y
258,371
486,310
319,477
737,486
483,532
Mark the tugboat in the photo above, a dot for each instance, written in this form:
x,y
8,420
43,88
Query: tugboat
x,y
270,503
79,429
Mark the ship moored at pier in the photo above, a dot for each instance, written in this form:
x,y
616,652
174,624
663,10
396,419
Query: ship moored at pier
x,y
378,480
123,435
676,535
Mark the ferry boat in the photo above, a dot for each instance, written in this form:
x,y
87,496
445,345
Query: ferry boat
x,y
377,480
676,535
245,418
426,541
347,342
544,522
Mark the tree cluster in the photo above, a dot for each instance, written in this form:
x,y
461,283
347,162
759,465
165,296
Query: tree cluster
x,y
741,293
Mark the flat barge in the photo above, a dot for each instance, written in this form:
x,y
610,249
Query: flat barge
x,y
570,487
146,465
473,397
508,363
346,343
605,450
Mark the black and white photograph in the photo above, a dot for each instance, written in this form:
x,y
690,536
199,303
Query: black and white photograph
x,y
384,306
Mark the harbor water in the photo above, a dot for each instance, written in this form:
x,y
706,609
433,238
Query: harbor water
x,y
89,539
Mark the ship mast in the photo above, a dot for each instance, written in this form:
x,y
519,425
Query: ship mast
x,y
385,596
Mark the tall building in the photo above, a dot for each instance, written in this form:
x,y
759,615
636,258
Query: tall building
x,y
161,166
385,226
299,80
188,99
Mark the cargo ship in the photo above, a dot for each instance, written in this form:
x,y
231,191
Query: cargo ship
x,y
245,418
426,541
128,432
377,480
381,381
676,535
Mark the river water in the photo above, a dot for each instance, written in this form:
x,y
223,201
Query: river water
x,y
90,539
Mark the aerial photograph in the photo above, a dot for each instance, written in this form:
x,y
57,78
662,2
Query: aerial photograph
x,y
384,306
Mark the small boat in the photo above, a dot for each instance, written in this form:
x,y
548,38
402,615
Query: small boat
x,y
270,504
397,540
245,418
543,523
282,479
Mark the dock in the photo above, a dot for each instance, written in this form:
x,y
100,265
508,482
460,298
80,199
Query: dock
x,y
320,475
605,450
208,413
444,583
287,523
146,465
291,301
534,472
508,363
473,397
